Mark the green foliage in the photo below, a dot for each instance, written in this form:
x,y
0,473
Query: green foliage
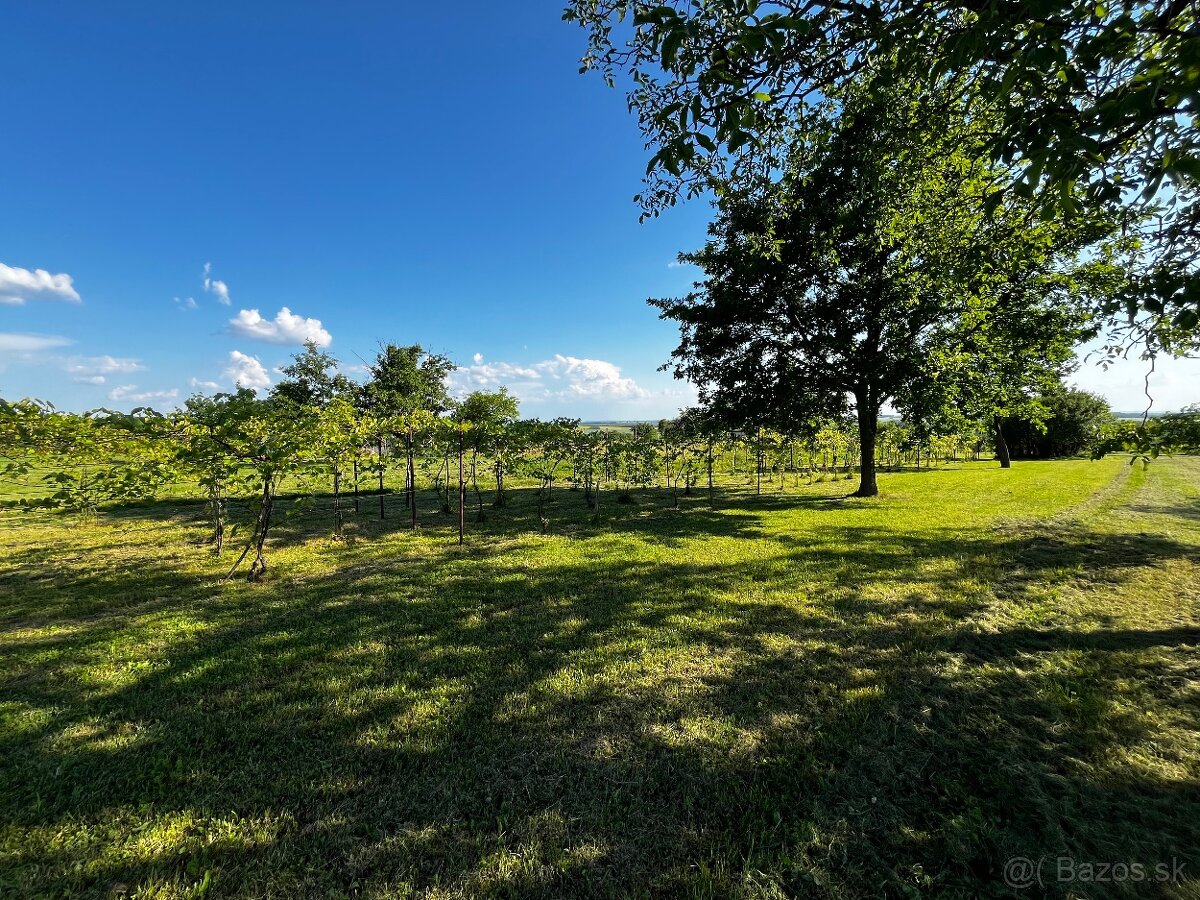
x,y
1147,439
1017,335
84,461
407,380
1095,104
1181,431
1068,423
488,413
312,379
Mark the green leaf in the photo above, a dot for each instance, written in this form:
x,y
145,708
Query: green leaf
x,y
1186,319
670,47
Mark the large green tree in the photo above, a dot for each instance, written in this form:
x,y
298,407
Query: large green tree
x,y
1069,422
838,283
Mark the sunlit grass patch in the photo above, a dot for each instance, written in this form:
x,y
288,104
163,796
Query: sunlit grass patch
x,y
794,695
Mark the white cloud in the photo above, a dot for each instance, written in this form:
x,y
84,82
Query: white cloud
x,y
186,303
203,385
559,378
88,379
478,357
18,285
246,371
215,286
483,376
29,343
130,393
1123,383
285,328
591,378
102,365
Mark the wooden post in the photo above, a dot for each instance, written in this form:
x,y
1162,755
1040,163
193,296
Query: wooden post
x,y
462,493
412,478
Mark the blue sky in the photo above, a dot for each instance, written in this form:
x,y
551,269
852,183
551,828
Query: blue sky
x,y
390,172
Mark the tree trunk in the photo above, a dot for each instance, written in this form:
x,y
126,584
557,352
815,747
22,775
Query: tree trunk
x,y
1001,445
380,448
412,478
868,427
337,498
462,491
758,465
217,504
258,568
441,484
356,486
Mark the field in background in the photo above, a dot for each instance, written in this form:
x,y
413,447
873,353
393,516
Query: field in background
x,y
796,694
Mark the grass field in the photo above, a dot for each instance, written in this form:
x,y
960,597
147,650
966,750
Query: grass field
x,y
786,696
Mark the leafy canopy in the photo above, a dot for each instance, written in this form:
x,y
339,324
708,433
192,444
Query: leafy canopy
x,y
1096,102
407,380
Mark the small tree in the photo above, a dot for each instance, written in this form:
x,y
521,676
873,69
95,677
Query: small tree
x,y
210,445
1067,422
407,388
490,414
678,445
271,444
341,436
708,434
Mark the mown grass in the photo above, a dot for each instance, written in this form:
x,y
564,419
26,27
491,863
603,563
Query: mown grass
x,y
794,695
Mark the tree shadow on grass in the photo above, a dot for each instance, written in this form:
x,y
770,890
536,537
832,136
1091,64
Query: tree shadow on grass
x,y
485,725
1185,510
